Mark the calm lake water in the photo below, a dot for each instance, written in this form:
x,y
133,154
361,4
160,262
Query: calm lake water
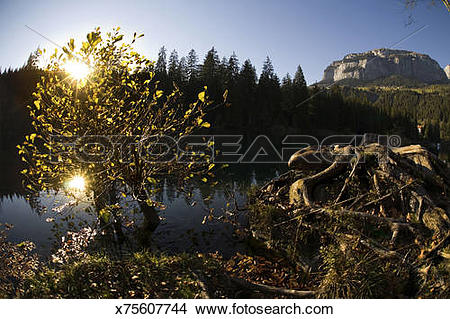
x,y
46,218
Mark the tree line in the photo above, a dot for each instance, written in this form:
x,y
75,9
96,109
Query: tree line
x,y
261,103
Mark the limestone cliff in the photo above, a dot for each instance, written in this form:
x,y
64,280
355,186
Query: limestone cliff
x,y
447,71
381,63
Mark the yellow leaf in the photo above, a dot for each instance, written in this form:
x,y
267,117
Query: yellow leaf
x,y
32,137
206,124
159,93
201,96
37,103
204,179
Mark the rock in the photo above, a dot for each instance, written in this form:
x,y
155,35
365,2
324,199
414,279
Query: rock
x,y
381,63
447,71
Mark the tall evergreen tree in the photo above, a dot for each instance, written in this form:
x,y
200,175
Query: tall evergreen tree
x,y
194,84
268,97
247,75
287,92
210,74
267,72
232,71
174,67
183,69
210,65
246,98
161,63
222,73
286,81
192,65
161,69
299,78
33,60
299,87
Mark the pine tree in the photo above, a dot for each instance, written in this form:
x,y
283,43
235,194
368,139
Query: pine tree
x,y
247,76
287,92
210,65
183,69
267,72
222,73
161,63
232,71
246,98
192,65
194,84
299,78
300,89
32,62
210,73
286,81
161,70
268,98
174,67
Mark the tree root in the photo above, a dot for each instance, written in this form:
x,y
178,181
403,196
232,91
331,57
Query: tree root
x,y
393,205
304,186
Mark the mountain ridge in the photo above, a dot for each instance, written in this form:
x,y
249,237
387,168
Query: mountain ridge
x,y
382,63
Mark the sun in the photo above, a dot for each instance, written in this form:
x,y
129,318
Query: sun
x,y
77,70
77,183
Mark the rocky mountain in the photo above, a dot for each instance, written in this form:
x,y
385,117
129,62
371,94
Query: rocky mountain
x,y
382,63
447,71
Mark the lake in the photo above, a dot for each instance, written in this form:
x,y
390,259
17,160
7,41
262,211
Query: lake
x,y
46,218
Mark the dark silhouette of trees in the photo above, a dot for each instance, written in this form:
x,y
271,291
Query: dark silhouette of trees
x,y
262,105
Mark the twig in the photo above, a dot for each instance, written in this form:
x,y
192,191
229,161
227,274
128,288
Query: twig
x,y
347,180
387,195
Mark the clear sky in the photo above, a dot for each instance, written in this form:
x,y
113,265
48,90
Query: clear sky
x,y
311,33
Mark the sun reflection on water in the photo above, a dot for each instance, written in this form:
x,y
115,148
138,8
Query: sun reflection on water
x,y
77,183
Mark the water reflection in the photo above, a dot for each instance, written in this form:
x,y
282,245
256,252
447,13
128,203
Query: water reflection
x,y
45,218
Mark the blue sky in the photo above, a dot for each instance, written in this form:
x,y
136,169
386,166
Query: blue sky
x,y
311,33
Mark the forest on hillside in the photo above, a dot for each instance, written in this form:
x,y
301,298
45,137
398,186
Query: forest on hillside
x,y
264,103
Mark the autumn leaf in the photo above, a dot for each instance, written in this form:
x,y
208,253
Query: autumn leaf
x,y
201,96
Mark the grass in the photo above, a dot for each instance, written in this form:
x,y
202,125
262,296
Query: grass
x,y
142,275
